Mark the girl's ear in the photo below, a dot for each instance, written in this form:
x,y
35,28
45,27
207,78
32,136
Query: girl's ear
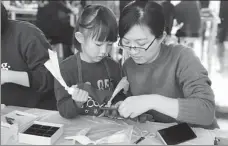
x,y
79,37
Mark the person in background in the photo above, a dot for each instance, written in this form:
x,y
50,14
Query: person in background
x,y
25,81
169,13
166,81
83,3
204,4
222,35
123,3
54,20
90,72
188,13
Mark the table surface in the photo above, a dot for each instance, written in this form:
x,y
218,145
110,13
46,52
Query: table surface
x,y
72,126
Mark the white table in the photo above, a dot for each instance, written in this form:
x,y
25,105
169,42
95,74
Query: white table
x,y
204,137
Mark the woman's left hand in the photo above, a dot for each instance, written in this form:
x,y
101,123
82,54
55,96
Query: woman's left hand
x,y
135,105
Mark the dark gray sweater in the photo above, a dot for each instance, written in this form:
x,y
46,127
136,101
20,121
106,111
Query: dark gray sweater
x,y
95,73
188,12
25,48
176,73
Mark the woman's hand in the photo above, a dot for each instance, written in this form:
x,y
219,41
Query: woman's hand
x,y
134,106
113,113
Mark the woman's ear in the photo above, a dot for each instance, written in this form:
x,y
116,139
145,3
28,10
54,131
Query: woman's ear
x,y
79,37
163,36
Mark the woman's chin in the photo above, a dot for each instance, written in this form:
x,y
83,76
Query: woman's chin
x,y
138,60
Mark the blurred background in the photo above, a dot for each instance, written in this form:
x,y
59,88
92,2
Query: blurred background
x,y
202,25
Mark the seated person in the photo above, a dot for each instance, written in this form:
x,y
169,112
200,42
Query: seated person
x,y
54,20
191,21
25,81
90,72
167,81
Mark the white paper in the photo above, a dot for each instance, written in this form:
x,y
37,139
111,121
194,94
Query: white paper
x,y
84,140
23,119
8,134
81,137
121,136
118,137
84,131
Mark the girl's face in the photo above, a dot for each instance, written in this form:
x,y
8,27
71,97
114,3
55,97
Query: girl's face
x,y
142,46
93,50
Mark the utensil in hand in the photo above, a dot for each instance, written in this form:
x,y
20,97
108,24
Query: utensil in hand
x,y
121,85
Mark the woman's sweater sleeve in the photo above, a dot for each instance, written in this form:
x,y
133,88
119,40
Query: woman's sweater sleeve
x,y
198,105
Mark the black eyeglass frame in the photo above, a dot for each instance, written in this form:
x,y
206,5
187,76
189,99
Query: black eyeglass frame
x,y
139,48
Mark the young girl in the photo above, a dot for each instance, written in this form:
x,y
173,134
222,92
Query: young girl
x,y
90,72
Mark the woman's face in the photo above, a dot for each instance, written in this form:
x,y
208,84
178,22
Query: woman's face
x,y
141,44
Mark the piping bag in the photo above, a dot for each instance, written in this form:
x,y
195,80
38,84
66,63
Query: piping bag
x,y
53,66
121,85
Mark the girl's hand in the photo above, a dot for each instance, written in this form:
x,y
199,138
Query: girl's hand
x,y
79,95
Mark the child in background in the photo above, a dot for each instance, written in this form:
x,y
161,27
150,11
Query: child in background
x,y
90,71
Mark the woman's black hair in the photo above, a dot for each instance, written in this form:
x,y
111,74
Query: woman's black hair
x,y
142,13
99,22
4,19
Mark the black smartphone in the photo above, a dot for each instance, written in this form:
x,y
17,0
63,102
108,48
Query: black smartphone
x,y
176,134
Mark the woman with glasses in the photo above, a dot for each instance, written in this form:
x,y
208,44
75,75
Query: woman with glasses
x,y
166,81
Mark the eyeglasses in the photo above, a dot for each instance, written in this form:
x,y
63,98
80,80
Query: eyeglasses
x,y
136,49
